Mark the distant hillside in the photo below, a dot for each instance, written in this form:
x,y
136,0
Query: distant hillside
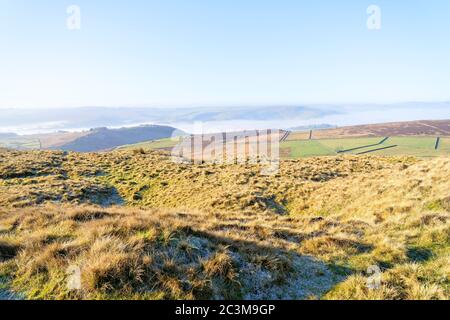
x,y
104,139
15,141
7,135
409,128
312,127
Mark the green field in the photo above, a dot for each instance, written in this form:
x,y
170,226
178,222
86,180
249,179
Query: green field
x,y
20,143
414,146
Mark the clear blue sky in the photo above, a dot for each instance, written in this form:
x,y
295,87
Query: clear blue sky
x,y
222,52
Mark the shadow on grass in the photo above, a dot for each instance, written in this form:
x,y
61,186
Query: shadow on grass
x,y
273,273
419,254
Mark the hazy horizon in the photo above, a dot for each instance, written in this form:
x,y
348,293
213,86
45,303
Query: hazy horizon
x,y
215,119
248,105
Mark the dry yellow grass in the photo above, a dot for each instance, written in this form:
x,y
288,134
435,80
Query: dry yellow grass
x,y
223,231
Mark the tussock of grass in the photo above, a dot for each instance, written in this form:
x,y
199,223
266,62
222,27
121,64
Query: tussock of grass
x,y
409,281
221,264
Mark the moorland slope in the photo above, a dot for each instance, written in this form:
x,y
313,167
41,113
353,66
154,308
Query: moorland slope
x,y
137,225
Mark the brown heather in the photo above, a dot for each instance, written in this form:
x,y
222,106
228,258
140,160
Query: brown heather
x,y
139,226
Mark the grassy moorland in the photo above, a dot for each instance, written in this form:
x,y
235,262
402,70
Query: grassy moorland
x,y
401,146
140,226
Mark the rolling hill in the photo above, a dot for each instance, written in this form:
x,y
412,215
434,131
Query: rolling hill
x,y
407,128
418,138
103,138
98,139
